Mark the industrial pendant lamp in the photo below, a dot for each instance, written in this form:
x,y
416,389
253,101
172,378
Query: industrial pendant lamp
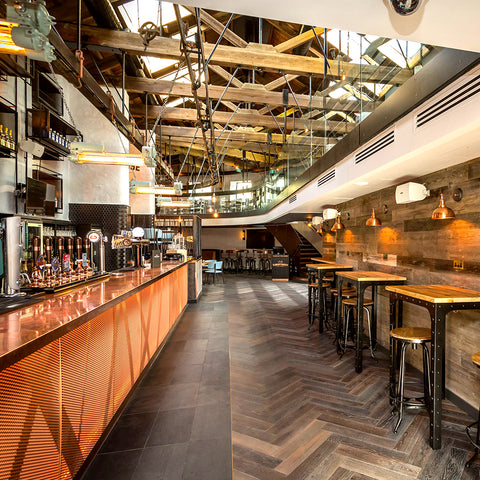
x,y
373,221
442,212
338,225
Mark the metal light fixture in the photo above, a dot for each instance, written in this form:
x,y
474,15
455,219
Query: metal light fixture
x,y
338,225
174,203
26,29
374,221
95,153
137,186
442,212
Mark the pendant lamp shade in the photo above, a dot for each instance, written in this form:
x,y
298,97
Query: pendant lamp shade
x,y
338,225
442,212
373,221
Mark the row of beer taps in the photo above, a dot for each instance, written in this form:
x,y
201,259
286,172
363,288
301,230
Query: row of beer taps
x,y
70,263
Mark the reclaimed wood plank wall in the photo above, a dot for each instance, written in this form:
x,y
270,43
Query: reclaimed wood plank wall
x,y
410,243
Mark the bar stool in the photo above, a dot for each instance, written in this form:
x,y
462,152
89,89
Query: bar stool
x,y
313,300
350,306
413,336
476,442
347,292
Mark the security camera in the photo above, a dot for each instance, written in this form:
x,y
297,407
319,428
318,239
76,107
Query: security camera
x,y
405,7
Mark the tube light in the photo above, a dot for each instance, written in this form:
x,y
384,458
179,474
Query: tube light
x,y
153,190
136,160
7,45
175,204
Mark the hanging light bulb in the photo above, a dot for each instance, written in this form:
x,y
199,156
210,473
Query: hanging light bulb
x,y
210,209
214,198
373,221
215,214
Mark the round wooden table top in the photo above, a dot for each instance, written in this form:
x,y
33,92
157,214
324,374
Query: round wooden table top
x,y
412,334
476,358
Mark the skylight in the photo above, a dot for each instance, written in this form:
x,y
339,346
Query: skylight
x,y
137,12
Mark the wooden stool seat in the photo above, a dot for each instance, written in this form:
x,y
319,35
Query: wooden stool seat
x,y
312,285
412,334
353,302
476,359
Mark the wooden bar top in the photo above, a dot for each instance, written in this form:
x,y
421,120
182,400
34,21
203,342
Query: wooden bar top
x,y
24,330
328,266
437,293
371,276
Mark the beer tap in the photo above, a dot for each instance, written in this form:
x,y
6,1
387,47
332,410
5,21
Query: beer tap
x,y
61,252
69,247
36,275
78,247
88,268
47,242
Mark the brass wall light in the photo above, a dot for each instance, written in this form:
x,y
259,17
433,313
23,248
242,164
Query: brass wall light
x,y
442,212
374,221
338,225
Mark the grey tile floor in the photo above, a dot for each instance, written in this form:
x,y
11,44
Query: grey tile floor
x,y
177,424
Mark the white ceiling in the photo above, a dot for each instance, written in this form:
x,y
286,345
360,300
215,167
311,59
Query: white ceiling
x,y
445,23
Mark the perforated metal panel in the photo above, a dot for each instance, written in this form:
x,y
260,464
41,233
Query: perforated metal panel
x,y
29,417
56,403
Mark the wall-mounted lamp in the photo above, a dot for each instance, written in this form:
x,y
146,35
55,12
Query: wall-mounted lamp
x,y
442,212
243,234
338,225
374,221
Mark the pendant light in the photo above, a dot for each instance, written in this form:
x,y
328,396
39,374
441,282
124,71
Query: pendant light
x,y
442,212
373,221
338,225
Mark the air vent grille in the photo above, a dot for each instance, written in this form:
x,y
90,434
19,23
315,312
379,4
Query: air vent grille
x,y
380,144
326,178
292,199
454,98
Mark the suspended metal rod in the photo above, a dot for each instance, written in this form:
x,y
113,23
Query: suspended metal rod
x,y
204,119
228,122
275,118
188,153
219,38
230,80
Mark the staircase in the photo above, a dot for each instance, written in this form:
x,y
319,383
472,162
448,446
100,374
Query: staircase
x,y
296,245
305,253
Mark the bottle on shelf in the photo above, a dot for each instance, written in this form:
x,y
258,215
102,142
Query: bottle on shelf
x,y
12,141
2,138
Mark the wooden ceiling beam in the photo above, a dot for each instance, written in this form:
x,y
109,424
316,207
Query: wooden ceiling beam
x,y
240,135
218,27
243,117
250,57
298,40
249,93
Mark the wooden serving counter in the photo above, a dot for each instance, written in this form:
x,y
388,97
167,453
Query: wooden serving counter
x,y
68,363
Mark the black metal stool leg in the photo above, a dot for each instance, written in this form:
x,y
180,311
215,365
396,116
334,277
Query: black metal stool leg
x,y
400,391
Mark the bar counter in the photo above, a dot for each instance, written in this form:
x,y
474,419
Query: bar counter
x,y
69,362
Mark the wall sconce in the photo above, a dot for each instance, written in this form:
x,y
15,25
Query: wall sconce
x,y
243,234
374,221
442,212
338,225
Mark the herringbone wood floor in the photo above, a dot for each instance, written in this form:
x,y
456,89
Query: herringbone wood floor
x,y
300,412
